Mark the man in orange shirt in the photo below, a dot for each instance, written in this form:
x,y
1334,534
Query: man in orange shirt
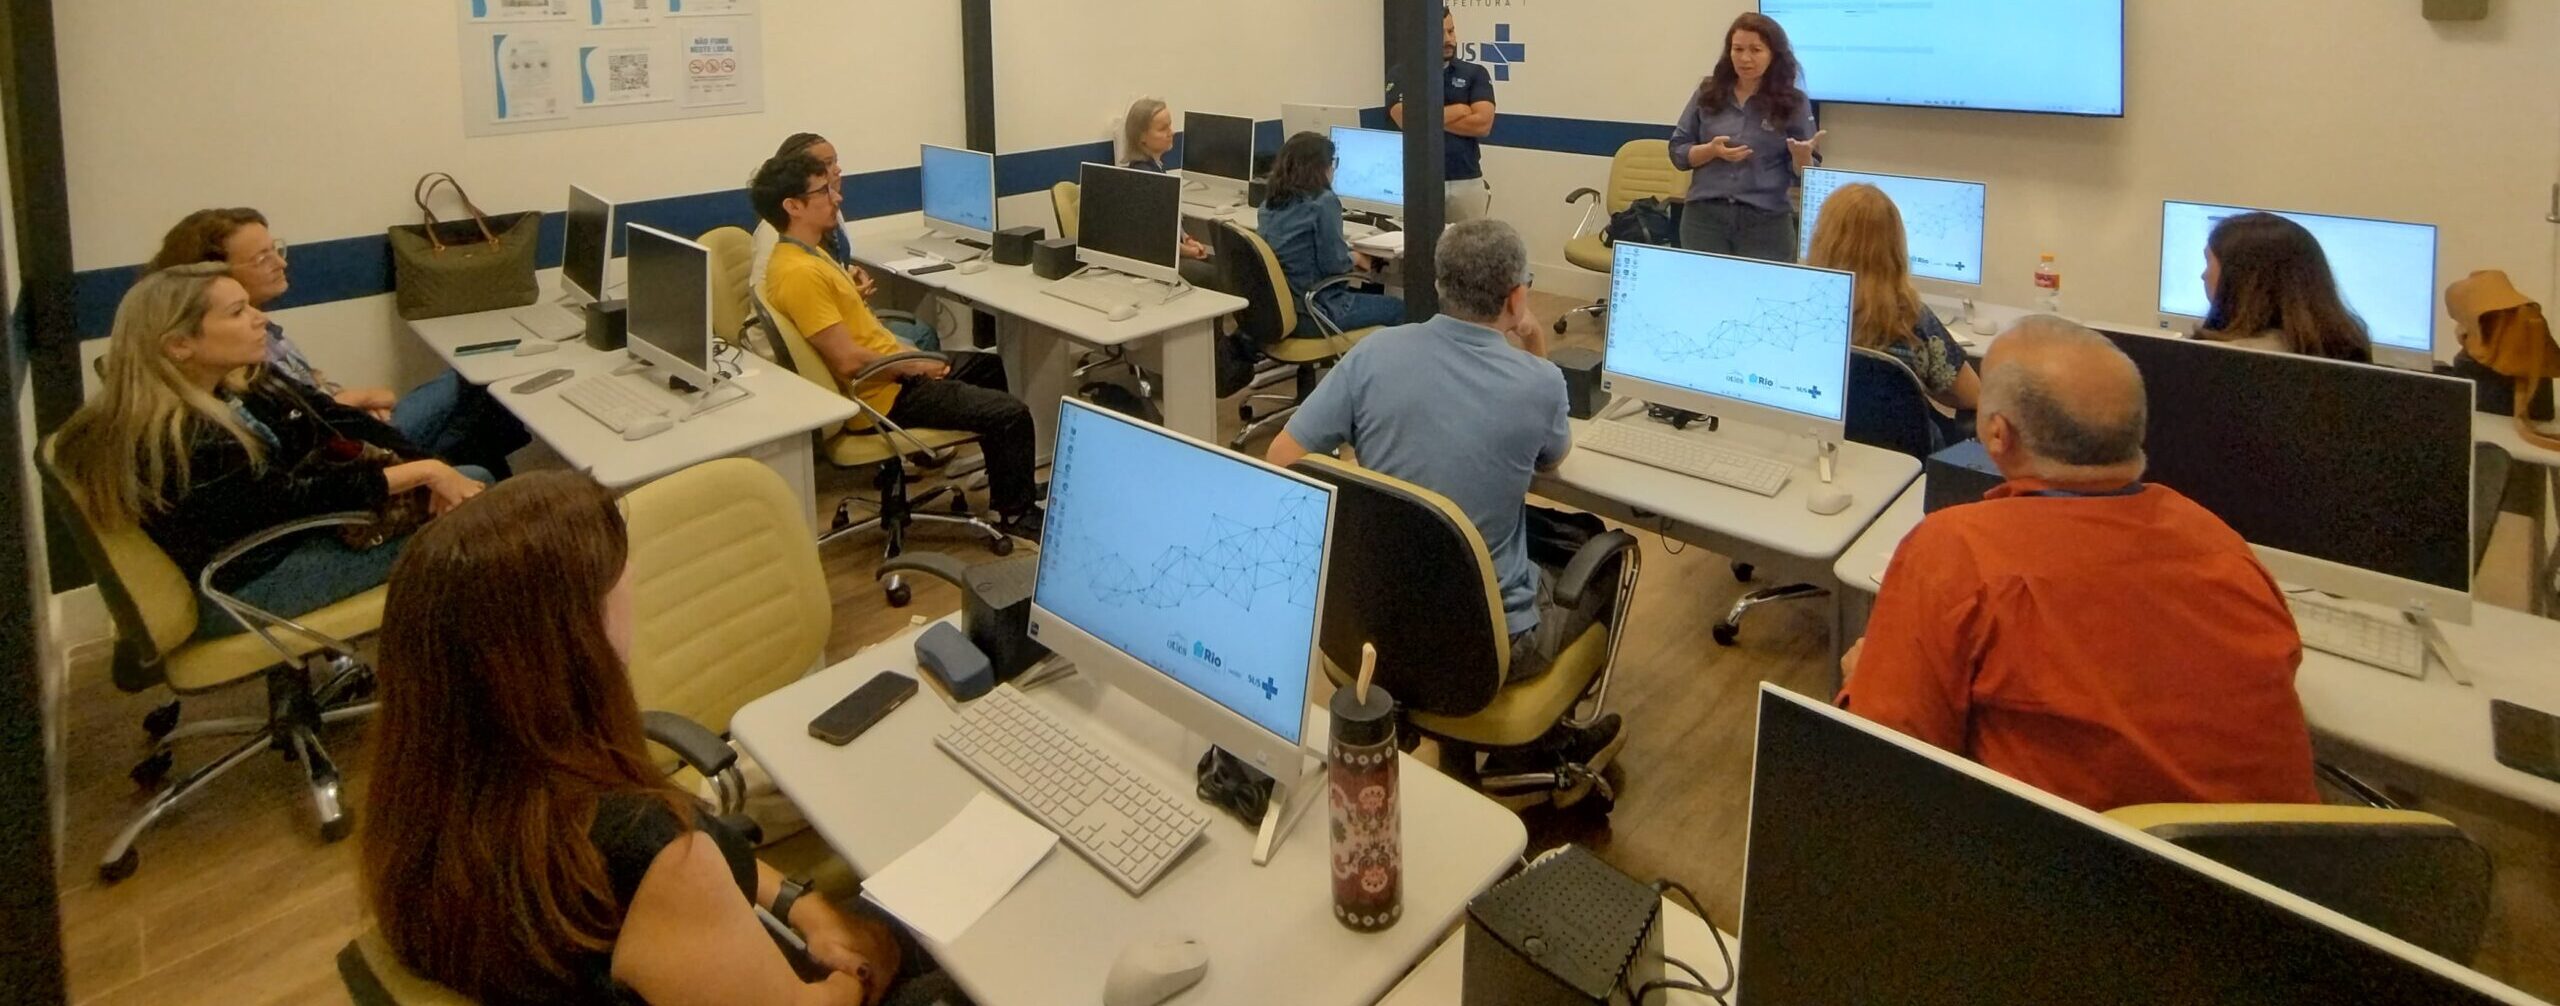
x,y
2107,641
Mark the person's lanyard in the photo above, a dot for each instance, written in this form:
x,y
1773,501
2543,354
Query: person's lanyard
x,y
804,246
2129,489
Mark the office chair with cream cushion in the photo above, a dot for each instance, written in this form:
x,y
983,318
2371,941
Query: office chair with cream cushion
x,y
1411,575
869,439
1067,200
1307,343
733,257
312,671
1640,170
2408,873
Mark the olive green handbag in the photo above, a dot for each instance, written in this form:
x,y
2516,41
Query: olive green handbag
x,y
444,267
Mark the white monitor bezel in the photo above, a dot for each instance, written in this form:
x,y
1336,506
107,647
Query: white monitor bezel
x,y
702,375
1982,237
956,228
2402,357
1376,206
1708,403
580,296
1306,117
1171,274
1267,751
1223,184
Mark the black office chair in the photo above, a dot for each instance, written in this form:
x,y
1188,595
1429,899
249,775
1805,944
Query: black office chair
x,y
1888,408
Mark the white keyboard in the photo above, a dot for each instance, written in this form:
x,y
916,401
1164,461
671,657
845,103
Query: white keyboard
x,y
1098,295
2391,644
1686,455
1131,826
551,321
615,403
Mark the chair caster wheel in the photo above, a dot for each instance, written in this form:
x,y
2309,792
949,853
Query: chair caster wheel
x,y
1244,412
160,721
1742,572
1002,546
899,594
337,828
150,772
843,518
959,506
120,867
1725,633
1560,326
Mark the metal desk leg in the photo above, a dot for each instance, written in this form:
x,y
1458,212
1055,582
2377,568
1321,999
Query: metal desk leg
x,y
1191,381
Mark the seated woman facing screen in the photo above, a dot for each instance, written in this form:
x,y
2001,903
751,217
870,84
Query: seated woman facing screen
x,y
192,437
2270,288
1860,231
1302,221
447,416
519,843
1145,137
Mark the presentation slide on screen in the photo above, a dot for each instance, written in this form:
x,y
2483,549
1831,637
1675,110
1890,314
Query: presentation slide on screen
x,y
1202,566
1941,219
1371,165
959,186
2385,269
2010,55
1758,332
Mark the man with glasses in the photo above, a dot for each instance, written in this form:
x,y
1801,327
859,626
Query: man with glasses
x,y
796,194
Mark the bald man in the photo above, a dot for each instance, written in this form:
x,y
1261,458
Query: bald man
x,y
2104,640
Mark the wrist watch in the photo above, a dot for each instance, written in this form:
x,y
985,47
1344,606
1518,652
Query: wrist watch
x,y
790,892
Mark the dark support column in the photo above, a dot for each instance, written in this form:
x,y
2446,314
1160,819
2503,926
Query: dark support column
x,y
1413,59
978,95
40,196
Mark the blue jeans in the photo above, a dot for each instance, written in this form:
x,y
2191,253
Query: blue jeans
x,y
1352,310
315,570
915,333
460,422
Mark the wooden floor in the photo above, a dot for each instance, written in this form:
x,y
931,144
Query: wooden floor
x,y
238,903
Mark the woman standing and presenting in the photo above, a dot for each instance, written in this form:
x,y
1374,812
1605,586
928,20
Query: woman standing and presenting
x,y
1744,139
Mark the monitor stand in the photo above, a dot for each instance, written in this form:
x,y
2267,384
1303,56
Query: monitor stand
x,y
698,402
945,247
1289,799
2440,648
1738,435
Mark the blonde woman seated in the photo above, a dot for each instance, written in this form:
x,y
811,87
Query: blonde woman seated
x,y
194,439
1860,231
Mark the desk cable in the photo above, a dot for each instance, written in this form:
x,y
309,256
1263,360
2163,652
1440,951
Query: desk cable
x,y
1698,983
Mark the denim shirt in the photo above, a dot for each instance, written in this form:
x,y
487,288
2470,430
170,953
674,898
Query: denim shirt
x,y
1760,181
1305,234
285,358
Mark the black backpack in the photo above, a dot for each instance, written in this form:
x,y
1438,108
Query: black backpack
x,y
1653,221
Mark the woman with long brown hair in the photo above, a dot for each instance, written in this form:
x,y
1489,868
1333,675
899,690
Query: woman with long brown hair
x,y
1744,138
519,845
2271,288
1860,231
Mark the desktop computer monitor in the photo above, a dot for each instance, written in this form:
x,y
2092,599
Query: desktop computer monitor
x,y
1217,152
960,192
1314,118
1759,342
2386,270
1941,219
1187,576
670,322
2347,478
586,245
1368,170
1130,220
1884,870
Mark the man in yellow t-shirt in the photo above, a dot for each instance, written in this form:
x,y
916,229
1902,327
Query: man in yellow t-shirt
x,y
794,194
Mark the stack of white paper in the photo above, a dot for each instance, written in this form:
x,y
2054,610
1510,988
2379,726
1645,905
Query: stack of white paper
x,y
941,887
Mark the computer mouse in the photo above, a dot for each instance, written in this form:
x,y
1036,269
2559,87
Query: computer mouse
x,y
1123,312
1983,325
647,428
1828,501
530,347
1152,971
973,267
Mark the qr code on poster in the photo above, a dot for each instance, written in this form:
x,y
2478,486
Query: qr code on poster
x,y
627,71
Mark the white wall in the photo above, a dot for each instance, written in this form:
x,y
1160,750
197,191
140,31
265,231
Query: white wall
x,y
2356,107
324,114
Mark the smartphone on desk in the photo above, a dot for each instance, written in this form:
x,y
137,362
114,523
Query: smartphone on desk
x,y
855,713
2524,739
928,270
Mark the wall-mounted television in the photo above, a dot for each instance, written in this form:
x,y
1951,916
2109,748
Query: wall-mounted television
x,y
2063,57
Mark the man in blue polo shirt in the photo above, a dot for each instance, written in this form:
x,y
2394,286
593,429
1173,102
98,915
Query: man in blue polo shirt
x,y
1468,119
1467,406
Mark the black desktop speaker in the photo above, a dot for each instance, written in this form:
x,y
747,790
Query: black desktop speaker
x,y
2495,393
1013,245
1957,475
1257,192
608,325
1583,395
1053,259
1568,931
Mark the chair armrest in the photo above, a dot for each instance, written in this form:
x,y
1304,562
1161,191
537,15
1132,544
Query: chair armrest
x,y
1323,320
875,368
1587,562
1582,194
258,619
691,741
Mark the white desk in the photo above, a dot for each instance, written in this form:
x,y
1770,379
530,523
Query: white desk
x,y
452,332
1441,979
1051,940
2433,724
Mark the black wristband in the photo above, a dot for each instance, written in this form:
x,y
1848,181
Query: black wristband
x,y
788,895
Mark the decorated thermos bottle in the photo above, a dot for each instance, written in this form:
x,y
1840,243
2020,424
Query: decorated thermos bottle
x,y
1368,852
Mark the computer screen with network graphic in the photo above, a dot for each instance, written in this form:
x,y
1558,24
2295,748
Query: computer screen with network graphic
x,y
2386,269
1201,564
1733,329
1369,169
1941,219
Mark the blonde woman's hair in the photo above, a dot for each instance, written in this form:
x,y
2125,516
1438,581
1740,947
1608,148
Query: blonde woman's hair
x,y
1133,130
125,452
1860,231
